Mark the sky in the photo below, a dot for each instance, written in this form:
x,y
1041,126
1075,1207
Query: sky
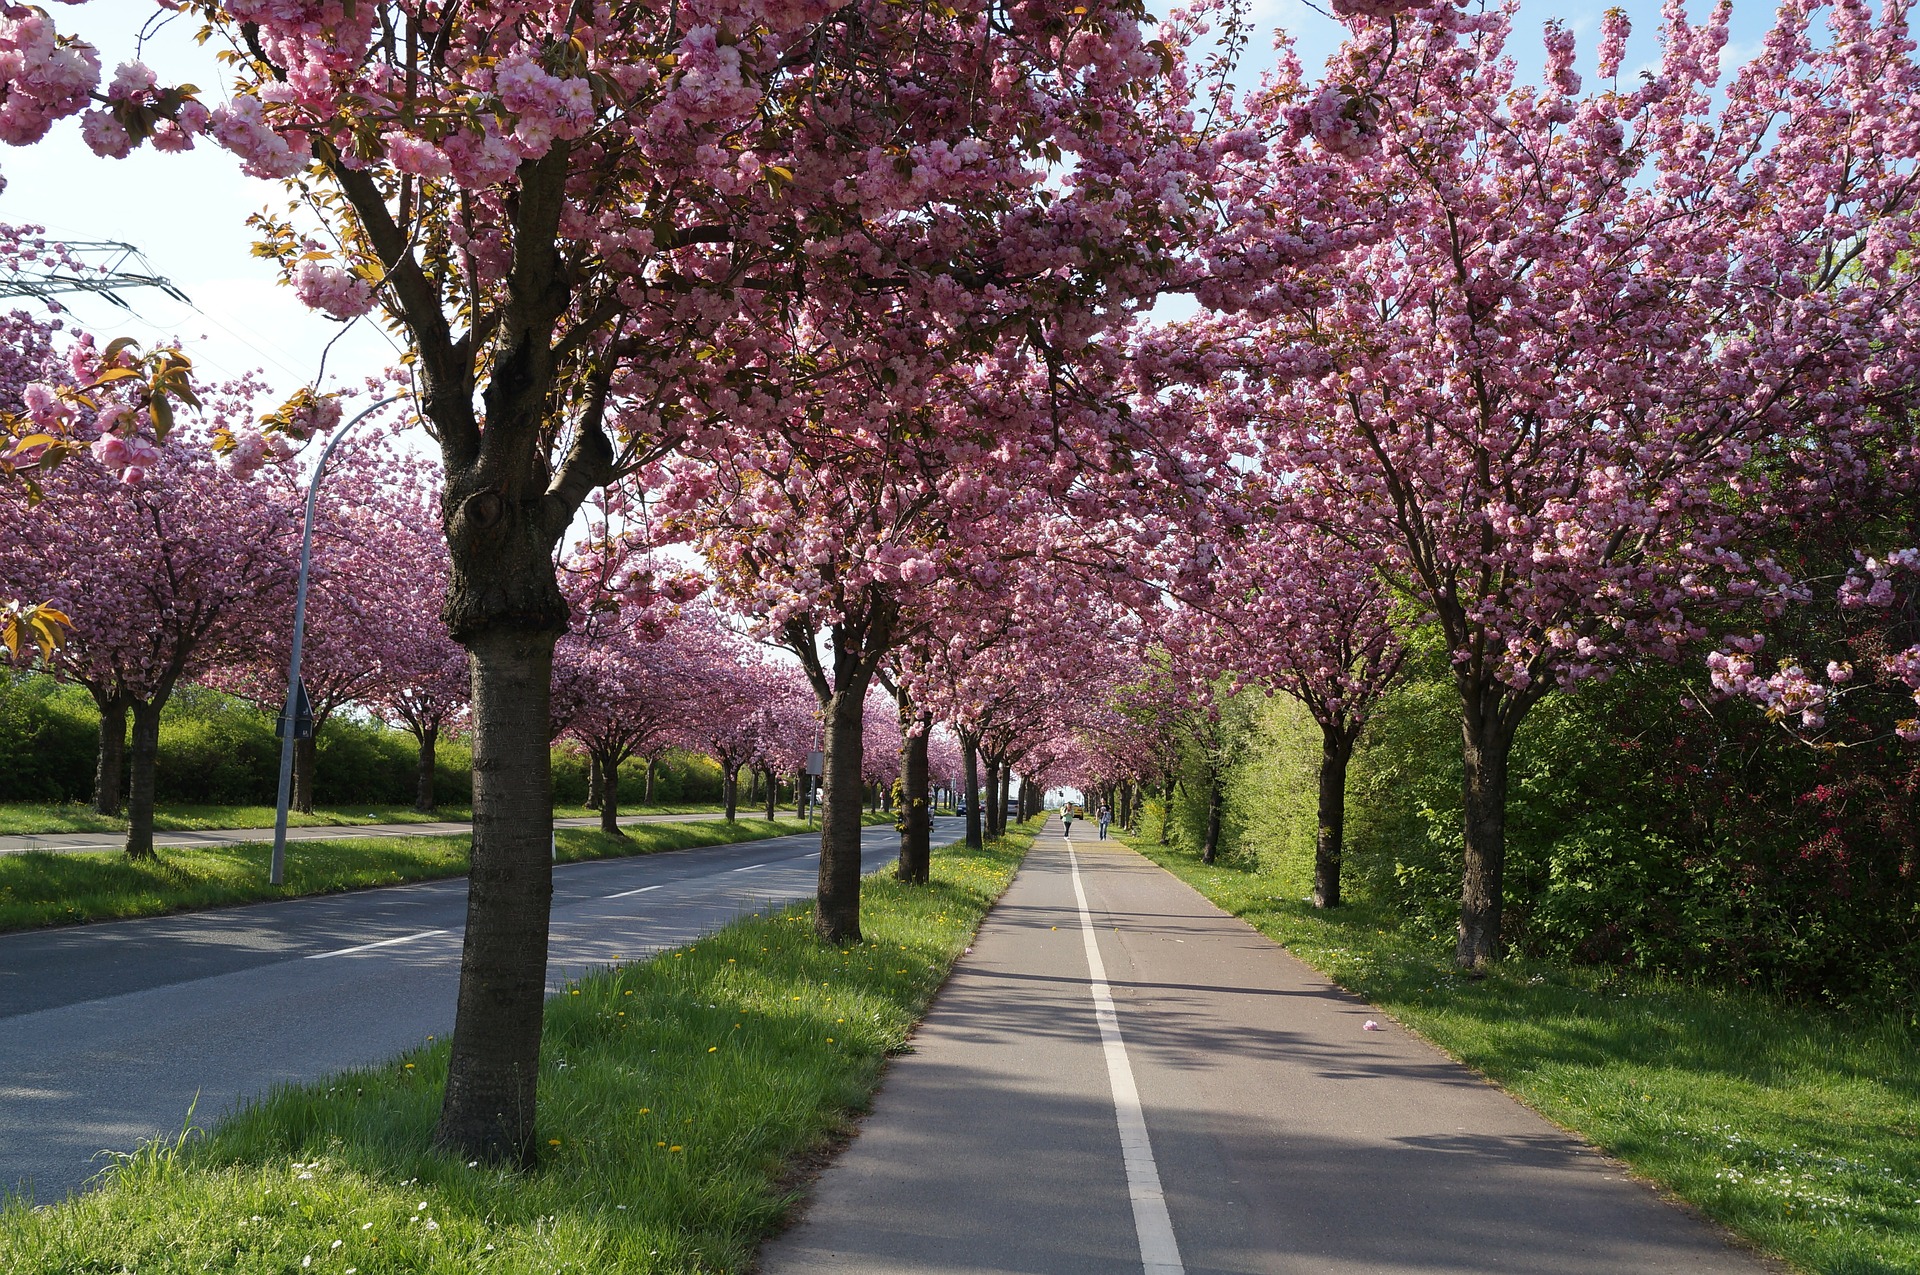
x,y
187,213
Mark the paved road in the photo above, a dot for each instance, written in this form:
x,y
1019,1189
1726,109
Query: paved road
x,y
108,1031
1231,1115
63,841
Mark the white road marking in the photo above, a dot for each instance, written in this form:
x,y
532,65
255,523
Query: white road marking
x,y
624,893
368,947
750,867
1159,1251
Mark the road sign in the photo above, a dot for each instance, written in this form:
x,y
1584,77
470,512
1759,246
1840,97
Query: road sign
x,y
302,713
816,763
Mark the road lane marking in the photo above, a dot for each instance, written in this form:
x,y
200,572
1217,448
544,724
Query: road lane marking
x,y
1159,1251
750,867
624,893
368,947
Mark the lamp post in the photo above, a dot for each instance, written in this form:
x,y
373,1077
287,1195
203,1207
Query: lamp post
x,y
277,874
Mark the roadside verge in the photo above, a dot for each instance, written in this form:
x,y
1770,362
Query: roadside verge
x,y
74,887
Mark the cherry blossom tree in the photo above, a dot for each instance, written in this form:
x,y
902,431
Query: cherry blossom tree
x,y
1534,407
423,681
165,576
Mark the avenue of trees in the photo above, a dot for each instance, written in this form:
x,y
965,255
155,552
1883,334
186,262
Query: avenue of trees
x,y
1519,434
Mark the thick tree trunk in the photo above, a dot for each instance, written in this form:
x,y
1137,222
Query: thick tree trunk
x,y
609,768
1216,805
1166,808
730,789
970,764
493,1072
145,754
1336,747
773,794
836,915
653,770
596,782
997,798
1484,753
109,763
423,799
306,753
916,815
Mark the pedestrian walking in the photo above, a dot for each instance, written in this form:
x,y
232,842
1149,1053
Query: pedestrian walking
x,y
1106,818
1066,822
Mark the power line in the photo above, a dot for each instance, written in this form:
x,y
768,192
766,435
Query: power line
x,y
66,268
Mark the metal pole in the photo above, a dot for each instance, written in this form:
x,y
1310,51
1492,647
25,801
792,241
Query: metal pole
x,y
277,874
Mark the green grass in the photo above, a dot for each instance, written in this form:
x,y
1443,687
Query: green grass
x,y
40,889
20,818
680,1098
1799,1130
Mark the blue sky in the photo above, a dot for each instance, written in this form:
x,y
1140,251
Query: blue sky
x,y
188,212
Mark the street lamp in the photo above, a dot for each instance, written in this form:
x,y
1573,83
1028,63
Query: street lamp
x,y
277,875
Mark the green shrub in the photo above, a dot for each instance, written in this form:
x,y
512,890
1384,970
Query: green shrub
x,y
48,736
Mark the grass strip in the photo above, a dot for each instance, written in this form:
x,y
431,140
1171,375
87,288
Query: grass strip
x,y
1797,1129
39,889
678,1096
19,818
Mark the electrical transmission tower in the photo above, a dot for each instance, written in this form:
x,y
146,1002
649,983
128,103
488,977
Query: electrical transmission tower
x,y
44,268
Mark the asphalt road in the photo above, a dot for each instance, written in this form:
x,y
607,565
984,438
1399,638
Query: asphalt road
x,y
109,1033
1231,1115
61,842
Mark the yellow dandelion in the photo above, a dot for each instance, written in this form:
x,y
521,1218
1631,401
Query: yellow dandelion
x,y
712,1049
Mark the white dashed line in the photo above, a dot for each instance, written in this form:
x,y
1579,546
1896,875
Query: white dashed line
x,y
1159,1251
624,893
750,867
368,947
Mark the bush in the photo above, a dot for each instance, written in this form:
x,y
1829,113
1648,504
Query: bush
x,y
48,736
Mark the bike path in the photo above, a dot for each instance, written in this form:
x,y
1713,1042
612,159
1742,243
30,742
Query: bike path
x,y
1231,1115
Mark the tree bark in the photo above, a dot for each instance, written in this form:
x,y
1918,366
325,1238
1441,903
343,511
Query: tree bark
x,y
595,781
970,763
306,753
836,916
653,769
773,794
1216,804
109,765
423,799
1485,749
494,1068
753,786
144,757
916,814
730,789
1336,748
609,768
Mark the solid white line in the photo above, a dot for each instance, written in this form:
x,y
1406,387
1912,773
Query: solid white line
x,y
1159,1251
750,867
624,893
368,947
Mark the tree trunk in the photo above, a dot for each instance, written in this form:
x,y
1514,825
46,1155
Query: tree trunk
x,y
596,782
306,753
1216,804
653,769
836,916
1166,807
730,789
1485,748
423,800
916,814
109,765
609,768
1336,747
145,754
773,794
753,785
970,764
493,1073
